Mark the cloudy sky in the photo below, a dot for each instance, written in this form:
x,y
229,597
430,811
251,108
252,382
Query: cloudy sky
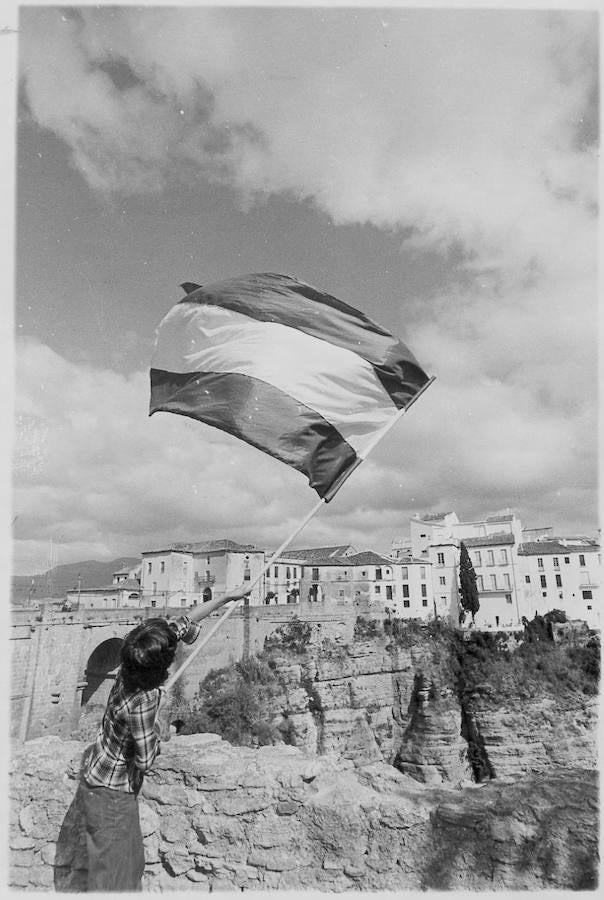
x,y
436,169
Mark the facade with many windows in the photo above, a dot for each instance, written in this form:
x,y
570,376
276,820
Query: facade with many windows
x,y
492,544
188,574
562,573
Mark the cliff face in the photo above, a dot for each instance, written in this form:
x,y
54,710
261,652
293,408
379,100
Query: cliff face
x,y
371,700
216,816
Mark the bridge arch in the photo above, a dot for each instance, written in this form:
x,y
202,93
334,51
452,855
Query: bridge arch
x,y
100,673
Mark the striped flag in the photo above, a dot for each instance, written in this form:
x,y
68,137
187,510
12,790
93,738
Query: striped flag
x,y
285,367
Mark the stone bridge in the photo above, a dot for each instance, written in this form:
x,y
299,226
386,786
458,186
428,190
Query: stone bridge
x,y
63,663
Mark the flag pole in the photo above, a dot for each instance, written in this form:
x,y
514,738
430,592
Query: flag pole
x,y
335,487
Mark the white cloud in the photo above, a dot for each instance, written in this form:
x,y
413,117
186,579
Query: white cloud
x,y
102,479
473,128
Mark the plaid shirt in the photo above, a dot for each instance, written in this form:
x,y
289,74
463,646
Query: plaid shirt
x,y
128,738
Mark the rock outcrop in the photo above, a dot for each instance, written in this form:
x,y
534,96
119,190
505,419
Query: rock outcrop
x,y
221,817
371,701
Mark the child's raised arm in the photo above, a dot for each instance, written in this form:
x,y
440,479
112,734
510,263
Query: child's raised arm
x,y
197,613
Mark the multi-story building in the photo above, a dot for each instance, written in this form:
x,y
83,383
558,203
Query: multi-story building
x,y
282,580
492,544
518,572
124,591
188,574
562,573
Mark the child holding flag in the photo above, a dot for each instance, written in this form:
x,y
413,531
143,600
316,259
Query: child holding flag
x,y
126,746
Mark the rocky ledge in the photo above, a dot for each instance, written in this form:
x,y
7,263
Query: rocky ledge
x,y
216,817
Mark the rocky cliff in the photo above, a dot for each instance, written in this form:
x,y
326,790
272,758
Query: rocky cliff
x,y
216,817
436,710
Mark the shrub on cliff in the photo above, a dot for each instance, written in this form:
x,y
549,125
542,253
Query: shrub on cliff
x,y
237,702
293,637
365,629
535,669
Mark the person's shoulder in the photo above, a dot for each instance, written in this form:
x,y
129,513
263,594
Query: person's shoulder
x,y
143,700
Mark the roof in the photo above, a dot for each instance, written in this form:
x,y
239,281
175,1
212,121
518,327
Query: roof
x,y
509,517
489,540
205,547
367,558
433,517
553,546
311,554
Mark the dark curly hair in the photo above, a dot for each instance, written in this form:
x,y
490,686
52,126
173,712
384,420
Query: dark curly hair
x,y
147,654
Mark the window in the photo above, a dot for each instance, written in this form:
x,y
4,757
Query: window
x,y
406,604
581,559
183,601
405,572
363,574
389,591
527,578
422,571
442,579
478,558
558,581
295,570
490,558
493,582
540,562
378,589
424,591
388,572
588,606
207,560
276,572
162,567
543,581
422,535
149,566
287,573
153,603
340,593
544,594
556,562
506,581
567,559
155,587
587,595
479,584
424,602
208,575
247,575
503,556
378,574
508,598
315,575
441,559
406,591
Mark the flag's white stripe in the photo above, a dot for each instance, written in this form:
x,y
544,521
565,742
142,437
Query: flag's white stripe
x,y
341,386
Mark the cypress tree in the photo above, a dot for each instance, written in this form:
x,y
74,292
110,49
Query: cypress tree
x,y
467,583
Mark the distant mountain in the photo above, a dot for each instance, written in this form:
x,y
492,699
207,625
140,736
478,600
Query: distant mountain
x,y
56,582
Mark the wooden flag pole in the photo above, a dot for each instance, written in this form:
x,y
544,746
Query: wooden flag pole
x,y
201,642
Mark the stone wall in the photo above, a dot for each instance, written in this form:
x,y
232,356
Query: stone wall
x,y
50,651
219,817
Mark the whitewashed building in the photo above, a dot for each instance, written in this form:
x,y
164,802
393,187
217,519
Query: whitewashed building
x,y
562,573
188,574
123,592
492,544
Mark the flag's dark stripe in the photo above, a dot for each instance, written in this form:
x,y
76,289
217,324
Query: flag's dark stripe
x,y
261,415
282,299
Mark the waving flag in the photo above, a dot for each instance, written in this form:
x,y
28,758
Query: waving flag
x,y
285,367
